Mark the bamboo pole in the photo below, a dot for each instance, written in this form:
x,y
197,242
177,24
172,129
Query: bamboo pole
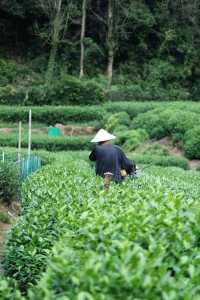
x,y
29,134
19,142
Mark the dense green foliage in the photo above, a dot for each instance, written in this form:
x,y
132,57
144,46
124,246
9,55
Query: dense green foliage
x,y
51,115
131,122
132,108
160,123
181,126
42,141
143,233
155,50
154,149
113,120
9,182
131,139
160,160
63,114
192,142
28,249
68,90
8,290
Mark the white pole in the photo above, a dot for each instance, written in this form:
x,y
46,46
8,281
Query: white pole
x,y
29,134
19,142
3,156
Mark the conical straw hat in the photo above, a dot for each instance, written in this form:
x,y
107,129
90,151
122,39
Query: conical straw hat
x,y
102,136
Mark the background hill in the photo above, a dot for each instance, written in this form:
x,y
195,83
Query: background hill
x,y
121,50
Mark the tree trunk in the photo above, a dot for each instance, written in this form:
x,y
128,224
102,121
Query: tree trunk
x,y
110,42
83,26
51,64
56,27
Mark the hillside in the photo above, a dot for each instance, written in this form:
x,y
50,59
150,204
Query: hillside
x,y
131,50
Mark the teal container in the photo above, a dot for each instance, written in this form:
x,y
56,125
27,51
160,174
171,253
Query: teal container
x,y
54,131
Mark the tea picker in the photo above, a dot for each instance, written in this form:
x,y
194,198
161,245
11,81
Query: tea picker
x,y
111,162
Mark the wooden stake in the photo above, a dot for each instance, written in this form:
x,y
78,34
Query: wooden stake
x,y
29,134
19,142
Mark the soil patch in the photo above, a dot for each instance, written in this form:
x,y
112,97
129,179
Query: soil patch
x,y
66,130
6,130
70,130
194,164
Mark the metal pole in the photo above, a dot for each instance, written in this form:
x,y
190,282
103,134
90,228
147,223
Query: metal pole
x,y
19,142
29,134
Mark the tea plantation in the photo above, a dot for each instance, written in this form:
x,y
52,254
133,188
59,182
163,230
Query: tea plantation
x,y
74,241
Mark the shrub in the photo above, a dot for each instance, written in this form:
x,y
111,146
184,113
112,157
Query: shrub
x,y
70,231
65,90
192,143
117,119
148,90
156,149
8,290
9,182
50,198
198,168
120,129
52,114
130,139
10,72
160,123
115,244
131,108
165,161
42,141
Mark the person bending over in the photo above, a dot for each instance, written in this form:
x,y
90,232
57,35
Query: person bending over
x,y
110,158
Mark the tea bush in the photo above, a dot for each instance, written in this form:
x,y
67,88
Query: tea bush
x,y
160,123
192,143
9,182
52,114
43,141
130,139
9,290
61,200
131,108
160,160
39,227
139,241
154,149
117,119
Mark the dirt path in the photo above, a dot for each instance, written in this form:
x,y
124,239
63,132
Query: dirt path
x,y
7,218
66,130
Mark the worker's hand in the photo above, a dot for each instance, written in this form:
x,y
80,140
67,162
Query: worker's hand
x,y
123,173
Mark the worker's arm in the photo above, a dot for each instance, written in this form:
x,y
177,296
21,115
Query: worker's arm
x,y
127,164
92,155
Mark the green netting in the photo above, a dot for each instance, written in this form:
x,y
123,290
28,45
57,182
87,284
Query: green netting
x,y
26,165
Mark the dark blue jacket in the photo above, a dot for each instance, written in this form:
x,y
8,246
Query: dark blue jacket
x,y
111,158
